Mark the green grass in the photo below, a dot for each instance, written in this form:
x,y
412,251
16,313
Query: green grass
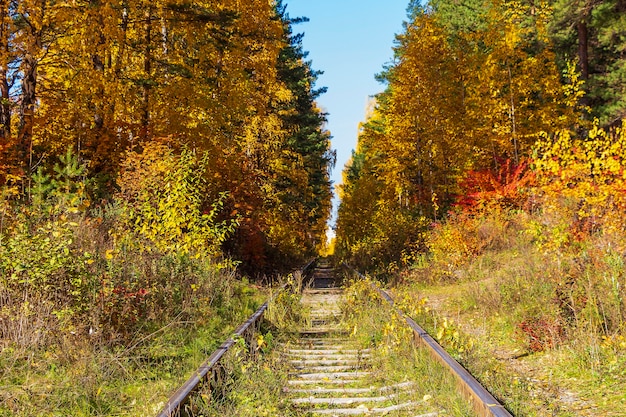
x,y
81,377
547,321
396,358
252,384
252,387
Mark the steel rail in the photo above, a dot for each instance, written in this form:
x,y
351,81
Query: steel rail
x,y
178,399
483,402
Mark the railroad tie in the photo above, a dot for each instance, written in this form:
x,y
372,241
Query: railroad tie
x,y
330,374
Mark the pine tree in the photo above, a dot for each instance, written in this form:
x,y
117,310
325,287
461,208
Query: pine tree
x,y
593,33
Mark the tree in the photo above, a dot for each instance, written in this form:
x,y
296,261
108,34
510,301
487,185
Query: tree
x,y
223,78
470,88
461,17
37,26
307,140
592,32
6,61
292,169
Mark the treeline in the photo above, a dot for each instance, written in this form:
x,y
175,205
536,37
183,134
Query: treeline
x,y
133,86
478,93
154,158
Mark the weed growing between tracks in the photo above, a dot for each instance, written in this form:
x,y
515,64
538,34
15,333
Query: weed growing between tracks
x,y
251,382
395,357
285,313
252,385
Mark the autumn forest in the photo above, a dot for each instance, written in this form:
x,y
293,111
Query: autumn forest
x,y
480,99
490,176
147,150
158,157
220,89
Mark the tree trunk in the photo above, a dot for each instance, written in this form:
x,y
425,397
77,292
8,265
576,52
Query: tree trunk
x,y
583,57
97,146
27,111
5,104
147,67
98,66
583,49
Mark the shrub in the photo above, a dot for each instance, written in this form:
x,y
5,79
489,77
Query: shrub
x,y
499,189
393,240
165,201
62,274
543,333
582,179
43,273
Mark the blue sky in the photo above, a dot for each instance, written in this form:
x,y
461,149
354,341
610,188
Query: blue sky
x,y
350,40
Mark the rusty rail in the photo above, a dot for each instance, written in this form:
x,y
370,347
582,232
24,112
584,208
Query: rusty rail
x,y
485,404
175,403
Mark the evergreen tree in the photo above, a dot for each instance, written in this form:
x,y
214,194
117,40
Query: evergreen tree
x,y
307,140
593,33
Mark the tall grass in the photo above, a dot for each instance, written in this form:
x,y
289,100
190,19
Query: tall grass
x,y
251,383
396,358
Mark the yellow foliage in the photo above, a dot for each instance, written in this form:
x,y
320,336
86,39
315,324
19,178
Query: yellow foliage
x,y
456,102
164,200
589,173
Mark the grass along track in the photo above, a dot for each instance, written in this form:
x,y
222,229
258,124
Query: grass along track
x,y
332,374
335,357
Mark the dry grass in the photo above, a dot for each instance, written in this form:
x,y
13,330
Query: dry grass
x,y
549,312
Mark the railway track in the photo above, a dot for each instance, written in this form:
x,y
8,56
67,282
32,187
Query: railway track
x,y
331,374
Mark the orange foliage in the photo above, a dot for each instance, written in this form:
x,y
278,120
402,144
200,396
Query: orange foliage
x,y
503,188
